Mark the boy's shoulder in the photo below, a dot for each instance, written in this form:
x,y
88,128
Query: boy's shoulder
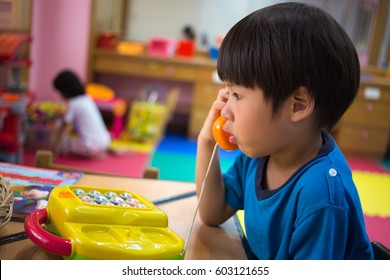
x,y
329,162
326,181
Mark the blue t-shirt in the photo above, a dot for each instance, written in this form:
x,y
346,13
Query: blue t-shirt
x,y
315,214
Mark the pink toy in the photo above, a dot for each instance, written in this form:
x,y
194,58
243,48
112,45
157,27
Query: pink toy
x,y
164,47
105,99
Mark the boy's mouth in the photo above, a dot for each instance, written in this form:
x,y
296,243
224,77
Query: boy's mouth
x,y
232,138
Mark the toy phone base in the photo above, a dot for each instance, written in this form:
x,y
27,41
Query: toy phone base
x,y
79,257
102,243
75,229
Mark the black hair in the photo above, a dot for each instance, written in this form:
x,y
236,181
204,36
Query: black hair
x,y
68,84
284,46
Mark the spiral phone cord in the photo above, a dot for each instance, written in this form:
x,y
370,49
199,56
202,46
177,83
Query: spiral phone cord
x,y
199,200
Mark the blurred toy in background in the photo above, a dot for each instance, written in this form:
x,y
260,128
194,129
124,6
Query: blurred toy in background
x,y
106,100
145,117
13,57
145,120
14,98
186,46
161,47
150,114
45,112
107,40
213,50
189,32
130,48
12,122
43,123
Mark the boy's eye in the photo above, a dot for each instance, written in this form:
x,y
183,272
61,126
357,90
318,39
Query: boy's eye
x,y
236,96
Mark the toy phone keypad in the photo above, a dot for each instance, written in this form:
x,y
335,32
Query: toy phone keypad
x,y
108,198
103,223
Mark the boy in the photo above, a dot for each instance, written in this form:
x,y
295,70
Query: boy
x,y
290,72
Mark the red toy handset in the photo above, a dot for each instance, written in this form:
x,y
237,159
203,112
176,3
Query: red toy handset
x,y
50,242
221,136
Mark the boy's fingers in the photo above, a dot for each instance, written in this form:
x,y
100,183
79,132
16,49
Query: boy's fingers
x,y
223,94
218,105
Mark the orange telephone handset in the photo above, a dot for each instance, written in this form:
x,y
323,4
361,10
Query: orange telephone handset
x,y
221,136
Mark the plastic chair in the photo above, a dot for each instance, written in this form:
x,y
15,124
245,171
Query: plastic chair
x,y
381,252
106,100
44,159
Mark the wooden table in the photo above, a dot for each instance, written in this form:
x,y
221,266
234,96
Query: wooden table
x,y
206,242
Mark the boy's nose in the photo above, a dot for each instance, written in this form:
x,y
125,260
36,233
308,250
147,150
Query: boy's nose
x,y
227,113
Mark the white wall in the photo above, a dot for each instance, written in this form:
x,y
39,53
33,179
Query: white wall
x,y
149,18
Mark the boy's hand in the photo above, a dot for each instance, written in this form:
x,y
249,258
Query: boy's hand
x,y
214,113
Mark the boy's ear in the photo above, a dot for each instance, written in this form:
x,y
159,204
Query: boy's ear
x,y
302,104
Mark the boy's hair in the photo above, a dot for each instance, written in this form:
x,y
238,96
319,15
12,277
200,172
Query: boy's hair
x,y
284,46
68,84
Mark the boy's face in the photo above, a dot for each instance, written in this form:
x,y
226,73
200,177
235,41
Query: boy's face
x,y
251,122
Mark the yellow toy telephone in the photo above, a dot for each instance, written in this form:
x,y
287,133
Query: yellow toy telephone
x,y
83,222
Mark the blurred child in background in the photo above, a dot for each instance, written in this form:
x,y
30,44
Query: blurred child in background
x,y
83,117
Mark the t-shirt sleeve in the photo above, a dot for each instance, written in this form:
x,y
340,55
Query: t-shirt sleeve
x,y
315,237
325,235
329,223
233,179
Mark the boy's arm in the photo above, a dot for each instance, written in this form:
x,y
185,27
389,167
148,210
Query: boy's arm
x,y
213,209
